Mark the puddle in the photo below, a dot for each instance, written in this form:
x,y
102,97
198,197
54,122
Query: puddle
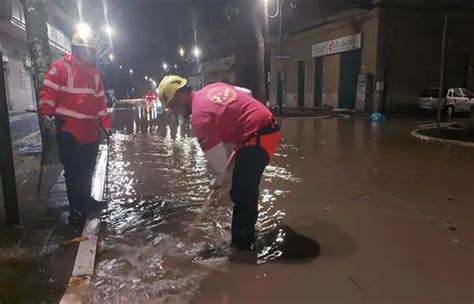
x,y
158,181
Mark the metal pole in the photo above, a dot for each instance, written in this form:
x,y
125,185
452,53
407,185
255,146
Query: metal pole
x,y
441,73
280,46
280,26
6,157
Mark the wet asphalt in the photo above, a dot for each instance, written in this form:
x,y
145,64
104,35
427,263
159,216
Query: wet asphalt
x,y
350,212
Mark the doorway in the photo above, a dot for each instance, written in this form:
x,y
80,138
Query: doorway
x,y
350,69
301,83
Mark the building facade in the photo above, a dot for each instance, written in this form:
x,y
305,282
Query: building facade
x,y
378,58
16,54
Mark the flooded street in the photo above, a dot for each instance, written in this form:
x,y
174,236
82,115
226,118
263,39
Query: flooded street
x,y
350,212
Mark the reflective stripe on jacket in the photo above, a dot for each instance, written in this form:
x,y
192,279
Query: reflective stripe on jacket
x,y
74,93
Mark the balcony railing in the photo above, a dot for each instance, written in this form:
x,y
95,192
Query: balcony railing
x,y
58,39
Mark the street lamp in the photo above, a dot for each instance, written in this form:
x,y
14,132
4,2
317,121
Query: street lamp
x,y
83,30
111,57
146,77
278,13
196,52
120,67
181,52
131,71
175,66
109,31
165,66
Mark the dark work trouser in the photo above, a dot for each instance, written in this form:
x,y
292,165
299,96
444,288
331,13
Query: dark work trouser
x,y
79,164
250,163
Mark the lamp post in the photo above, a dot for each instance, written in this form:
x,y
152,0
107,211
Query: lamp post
x,y
279,14
197,54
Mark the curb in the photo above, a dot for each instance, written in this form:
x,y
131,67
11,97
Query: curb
x,y
78,286
77,289
426,138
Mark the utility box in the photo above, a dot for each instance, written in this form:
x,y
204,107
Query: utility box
x,y
364,91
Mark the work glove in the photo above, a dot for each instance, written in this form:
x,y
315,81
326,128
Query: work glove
x,y
107,132
218,181
48,124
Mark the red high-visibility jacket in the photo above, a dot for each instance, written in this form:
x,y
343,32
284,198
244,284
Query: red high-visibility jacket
x,y
74,93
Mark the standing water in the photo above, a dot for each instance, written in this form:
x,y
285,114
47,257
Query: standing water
x,y
393,217
158,182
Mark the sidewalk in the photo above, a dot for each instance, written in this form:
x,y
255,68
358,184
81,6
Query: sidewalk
x,y
35,261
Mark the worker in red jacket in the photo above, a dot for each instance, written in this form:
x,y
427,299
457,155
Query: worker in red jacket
x,y
73,94
226,114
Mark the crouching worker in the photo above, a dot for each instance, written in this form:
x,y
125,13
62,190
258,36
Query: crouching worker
x,y
221,114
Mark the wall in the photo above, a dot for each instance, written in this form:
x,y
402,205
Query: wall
x,y
331,73
299,47
19,89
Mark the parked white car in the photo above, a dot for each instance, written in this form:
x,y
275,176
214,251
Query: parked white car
x,y
454,100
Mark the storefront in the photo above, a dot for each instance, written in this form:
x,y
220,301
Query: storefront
x,y
321,66
367,60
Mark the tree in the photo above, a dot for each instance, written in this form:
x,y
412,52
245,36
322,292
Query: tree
x,y
251,12
471,119
38,41
257,18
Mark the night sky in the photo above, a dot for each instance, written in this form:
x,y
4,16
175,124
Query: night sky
x,y
150,32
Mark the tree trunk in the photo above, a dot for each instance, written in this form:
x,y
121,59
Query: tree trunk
x,y
261,93
38,42
471,119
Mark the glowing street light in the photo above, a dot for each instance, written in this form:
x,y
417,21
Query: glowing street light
x,y
120,67
154,83
83,30
111,57
109,31
181,52
196,52
175,66
131,71
165,66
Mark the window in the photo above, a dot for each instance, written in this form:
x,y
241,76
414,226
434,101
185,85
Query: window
x,y
18,16
24,78
466,93
58,38
450,93
457,93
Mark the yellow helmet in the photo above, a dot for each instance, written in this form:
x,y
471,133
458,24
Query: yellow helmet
x,y
82,41
168,87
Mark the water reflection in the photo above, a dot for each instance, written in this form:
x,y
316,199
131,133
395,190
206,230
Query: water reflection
x,y
286,245
158,181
